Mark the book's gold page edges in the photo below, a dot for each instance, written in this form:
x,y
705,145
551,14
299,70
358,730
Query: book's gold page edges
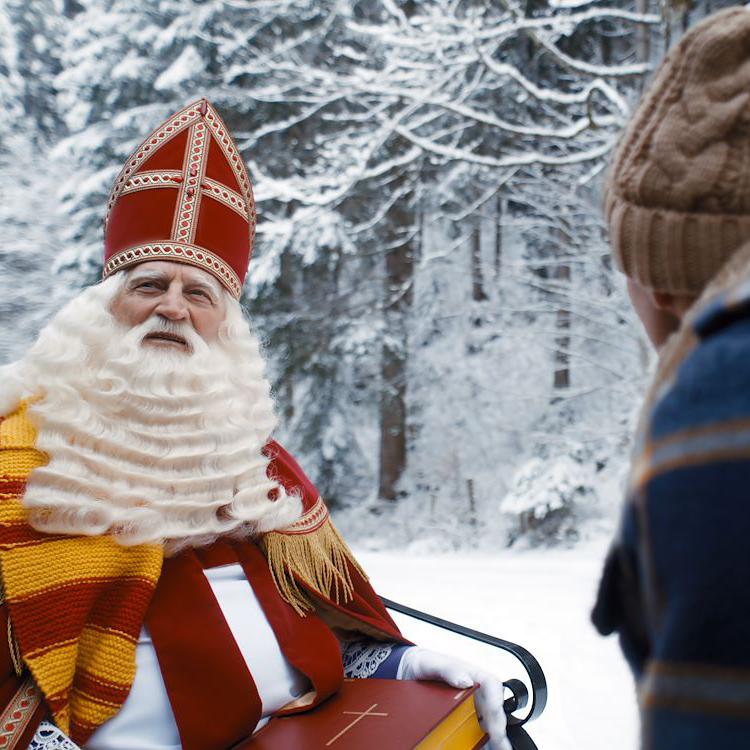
x,y
459,730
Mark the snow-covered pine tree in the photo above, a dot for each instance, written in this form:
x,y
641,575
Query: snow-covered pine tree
x,y
29,212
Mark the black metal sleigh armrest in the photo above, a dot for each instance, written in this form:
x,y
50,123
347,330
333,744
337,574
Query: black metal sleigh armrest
x,y
519,697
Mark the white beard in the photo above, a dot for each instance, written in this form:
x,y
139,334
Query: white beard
x,y
147,444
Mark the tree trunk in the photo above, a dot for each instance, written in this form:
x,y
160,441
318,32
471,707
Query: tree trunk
x,y
643,38
562,340
606,44
399,269
285,395
477,276
499,215
685,15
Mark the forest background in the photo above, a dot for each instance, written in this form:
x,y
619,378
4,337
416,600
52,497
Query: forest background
x,y
454,358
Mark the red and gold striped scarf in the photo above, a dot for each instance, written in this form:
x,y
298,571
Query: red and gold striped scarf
x,y
76,603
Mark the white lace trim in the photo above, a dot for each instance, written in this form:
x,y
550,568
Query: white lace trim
x,y
362,658
49,737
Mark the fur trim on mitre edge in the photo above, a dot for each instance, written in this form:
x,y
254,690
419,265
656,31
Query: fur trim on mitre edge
x,y
310,552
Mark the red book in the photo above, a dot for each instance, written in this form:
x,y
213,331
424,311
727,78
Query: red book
x,y
379,714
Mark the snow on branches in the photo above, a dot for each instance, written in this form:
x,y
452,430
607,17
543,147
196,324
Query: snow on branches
x,y
431,273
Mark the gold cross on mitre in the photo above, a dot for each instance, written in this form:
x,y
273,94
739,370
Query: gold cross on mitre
x,y
360,715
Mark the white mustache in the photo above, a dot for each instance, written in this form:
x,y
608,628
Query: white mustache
x,y
181,331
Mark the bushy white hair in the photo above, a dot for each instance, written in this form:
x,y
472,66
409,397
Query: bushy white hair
x,y
147,445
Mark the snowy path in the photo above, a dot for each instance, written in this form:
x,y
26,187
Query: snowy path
x,y
541,600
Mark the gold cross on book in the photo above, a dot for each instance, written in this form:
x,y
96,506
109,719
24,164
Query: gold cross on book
x,y
360,715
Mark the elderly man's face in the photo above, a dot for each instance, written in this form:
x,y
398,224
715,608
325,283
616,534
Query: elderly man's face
x,y
174,292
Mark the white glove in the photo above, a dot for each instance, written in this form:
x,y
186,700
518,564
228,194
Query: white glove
x,y
422,664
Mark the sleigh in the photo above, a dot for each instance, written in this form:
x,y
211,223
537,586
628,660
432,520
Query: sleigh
x,y
524,704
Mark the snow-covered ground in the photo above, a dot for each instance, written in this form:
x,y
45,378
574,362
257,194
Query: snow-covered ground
x,y
539,599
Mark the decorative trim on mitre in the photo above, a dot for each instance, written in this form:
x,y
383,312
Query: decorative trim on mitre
x,y
310,557
236,162
168,130
172,178
168,178
221,193
189,201
179,252
230,151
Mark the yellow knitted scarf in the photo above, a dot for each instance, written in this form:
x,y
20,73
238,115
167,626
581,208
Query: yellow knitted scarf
x,y
76,603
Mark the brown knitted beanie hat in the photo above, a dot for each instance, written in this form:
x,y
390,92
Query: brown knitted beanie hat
x,y
677,197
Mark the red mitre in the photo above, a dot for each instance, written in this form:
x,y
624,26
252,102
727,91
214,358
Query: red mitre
x,y
184,195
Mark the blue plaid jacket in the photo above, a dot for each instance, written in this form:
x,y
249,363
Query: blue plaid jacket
x,y
676,584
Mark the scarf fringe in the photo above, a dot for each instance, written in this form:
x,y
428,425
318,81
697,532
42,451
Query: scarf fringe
x,y
318,559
